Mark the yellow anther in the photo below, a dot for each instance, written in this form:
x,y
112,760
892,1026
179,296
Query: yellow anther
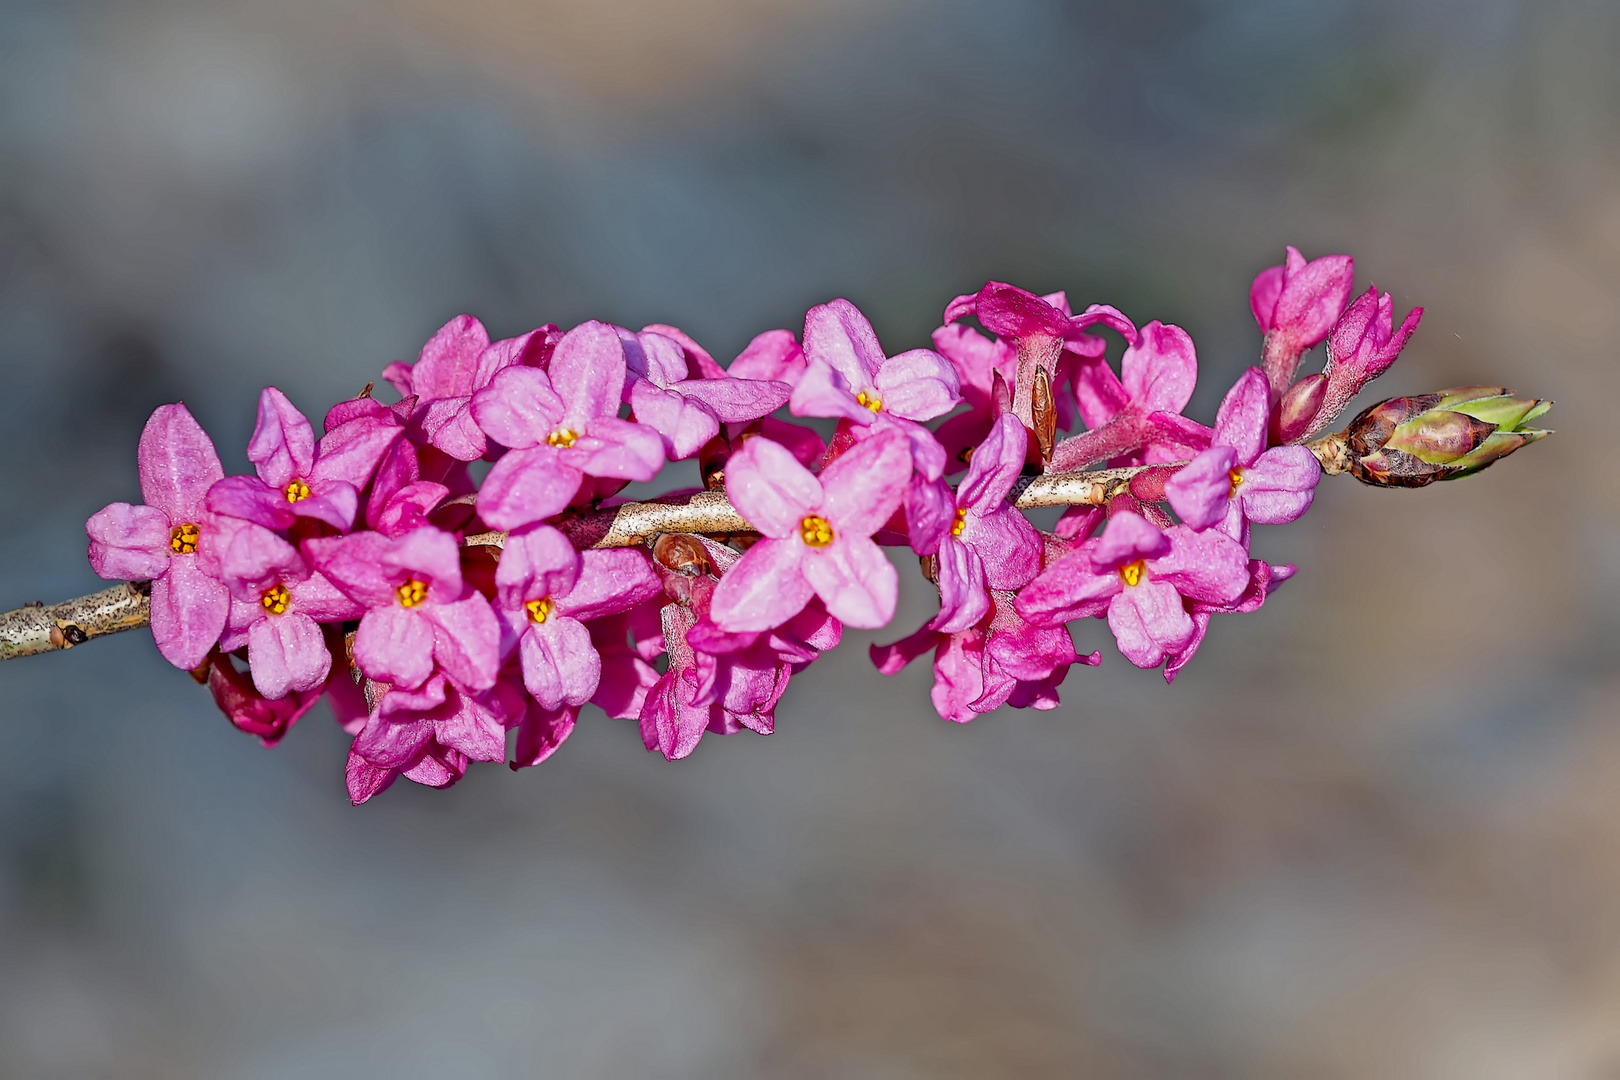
x,y
275,600
183,539
815,530
297,491
960,523
411,593
1236,476
1131,573
562,438
871,401
540,610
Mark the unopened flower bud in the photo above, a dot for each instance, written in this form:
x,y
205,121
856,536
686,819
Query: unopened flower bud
x,y
1414,441
1293,417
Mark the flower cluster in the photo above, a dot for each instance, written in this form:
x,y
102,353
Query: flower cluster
x,y
440,615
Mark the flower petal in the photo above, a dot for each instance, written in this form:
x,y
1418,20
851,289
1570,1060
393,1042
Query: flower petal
x,y
617,448
587,371
189,609
1241,421
128,543
837,334
1128,536
823,391
1200,492
527,486
963,597
863,488
518,408
177,463
560,665
766,587
427,552
395,645
251,499
684,425
854,579
1160,371
1278,488
466,641
1007,543
918,385
1068,589
609,582
448,363
287,653
774,355
283,445
1208,566
1149,621
738,400
995,465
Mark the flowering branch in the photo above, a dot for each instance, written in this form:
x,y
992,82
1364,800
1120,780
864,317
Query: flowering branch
x,y
437,614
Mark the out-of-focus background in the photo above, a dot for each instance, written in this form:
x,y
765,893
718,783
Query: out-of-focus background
x,y
1374,830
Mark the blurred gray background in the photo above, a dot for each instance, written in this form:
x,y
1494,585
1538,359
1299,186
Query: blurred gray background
x,y
1374,830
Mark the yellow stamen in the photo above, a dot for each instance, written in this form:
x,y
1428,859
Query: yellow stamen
x,y
183,539
275,600
540,610
297,491
816,531
871,401
960,523
411,593
1131,573
562,438
1236,476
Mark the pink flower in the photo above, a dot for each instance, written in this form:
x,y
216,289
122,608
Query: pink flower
x,y
457,362
546,593
420,616
1138,575
1137,415
365,443
1237,479
277,606
817,534
562,425
774,355
429,735
847,374
1295,305
627,671
172,539
293,480
989,545
685,406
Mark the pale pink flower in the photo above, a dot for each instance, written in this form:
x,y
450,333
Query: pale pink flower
x,y
817,534
562,425
671,391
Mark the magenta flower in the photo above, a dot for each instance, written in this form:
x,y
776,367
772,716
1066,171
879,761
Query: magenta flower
x,y
817,534
685,406
1137,575
562,425
1003,660
546,591
1139,414
365,444
847,374
627,671
457,362
1295,305
430,734
420,615
1237,479
978,360
989,545
293,480
248,710
171,540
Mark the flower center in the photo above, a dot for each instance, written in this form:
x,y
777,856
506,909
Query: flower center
x,y
275,599
815,530
540,610
411,593
1236,476
183,539
960,523
562,438
297,491
871,401
1131,573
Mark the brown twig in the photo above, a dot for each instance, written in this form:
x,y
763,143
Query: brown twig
x,y
36,628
